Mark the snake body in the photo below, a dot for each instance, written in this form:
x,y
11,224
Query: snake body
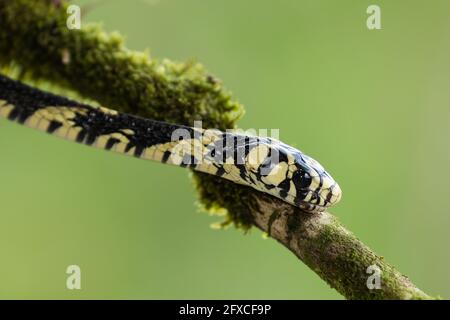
x,y
265,164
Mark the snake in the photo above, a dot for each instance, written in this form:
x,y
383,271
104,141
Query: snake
x,y
263,163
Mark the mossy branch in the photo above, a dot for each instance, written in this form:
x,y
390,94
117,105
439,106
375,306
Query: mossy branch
x,y
36,45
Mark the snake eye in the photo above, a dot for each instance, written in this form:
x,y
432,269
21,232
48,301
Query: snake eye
x,y
305,180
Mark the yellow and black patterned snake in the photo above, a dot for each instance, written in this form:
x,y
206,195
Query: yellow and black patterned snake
x,y
265,164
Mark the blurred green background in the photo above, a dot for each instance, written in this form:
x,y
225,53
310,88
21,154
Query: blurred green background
x,y
372,106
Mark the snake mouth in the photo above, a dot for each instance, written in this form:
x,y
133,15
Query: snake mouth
x,y
311,208
321,200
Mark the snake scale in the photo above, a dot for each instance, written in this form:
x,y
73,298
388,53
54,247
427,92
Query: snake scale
x,y
265,164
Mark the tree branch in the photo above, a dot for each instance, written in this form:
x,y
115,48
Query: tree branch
x,y
36,45
333,252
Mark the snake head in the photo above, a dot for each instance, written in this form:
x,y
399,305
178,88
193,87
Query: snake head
x,y
298,179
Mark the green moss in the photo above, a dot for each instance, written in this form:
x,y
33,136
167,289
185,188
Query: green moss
x,y
217,194
35,40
